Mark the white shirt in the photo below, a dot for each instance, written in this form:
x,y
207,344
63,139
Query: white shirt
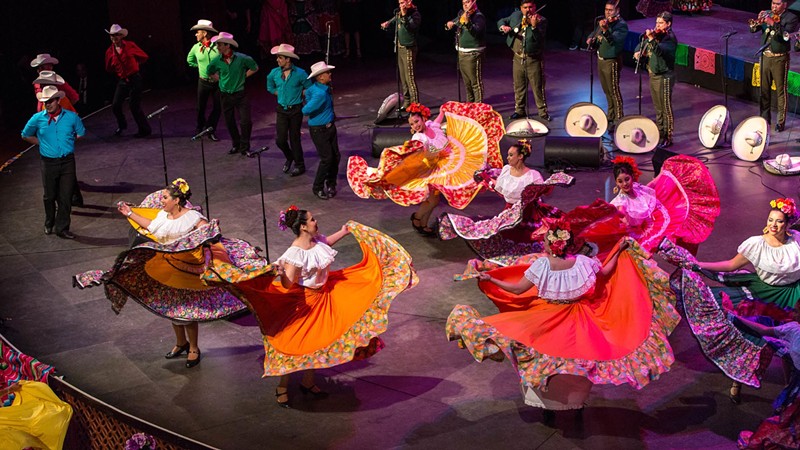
x,y
435,144
314,263
567,284
790,332
777,266
639,208
167,230
511,187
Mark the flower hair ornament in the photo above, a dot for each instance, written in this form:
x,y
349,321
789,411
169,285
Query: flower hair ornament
x,y
629,161
419,108
181,185
786,206
524,147
558,236
282,218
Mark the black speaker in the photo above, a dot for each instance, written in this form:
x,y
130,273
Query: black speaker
x,y
569,151
659,157
388,137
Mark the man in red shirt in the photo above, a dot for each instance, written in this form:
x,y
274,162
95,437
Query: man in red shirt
x,y
123,58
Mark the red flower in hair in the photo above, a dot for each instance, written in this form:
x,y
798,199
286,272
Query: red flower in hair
x,y
419,108
629,161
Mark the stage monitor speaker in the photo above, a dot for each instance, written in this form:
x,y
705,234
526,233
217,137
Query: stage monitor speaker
x,y
569,151
659,157
388,137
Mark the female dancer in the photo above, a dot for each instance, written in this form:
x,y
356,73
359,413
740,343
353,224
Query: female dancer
x,y
432,162
559,321
163,273
515,175
315,318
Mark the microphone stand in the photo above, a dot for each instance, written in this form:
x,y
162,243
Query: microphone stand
x,y
161,135
727,37
638,64
591,50
263,208
205,180
328,45
459,81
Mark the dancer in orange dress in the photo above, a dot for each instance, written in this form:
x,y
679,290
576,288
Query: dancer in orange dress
x,y
313,317
567,322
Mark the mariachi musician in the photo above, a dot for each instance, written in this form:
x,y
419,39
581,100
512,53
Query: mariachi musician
x,y
525,32
470,25
609,40
776,26
658,46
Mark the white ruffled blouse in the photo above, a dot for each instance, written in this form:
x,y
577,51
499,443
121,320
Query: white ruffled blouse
x,y
167,230
777,266
314,263
567,284
639,208
511,187
435,144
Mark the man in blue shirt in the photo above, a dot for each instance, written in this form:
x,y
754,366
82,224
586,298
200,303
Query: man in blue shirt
x,y
319,109
55,130
288,81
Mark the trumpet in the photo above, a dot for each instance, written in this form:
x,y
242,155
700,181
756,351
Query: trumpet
x,y
762,18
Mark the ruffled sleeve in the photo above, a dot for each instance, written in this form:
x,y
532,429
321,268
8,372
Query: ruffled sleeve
x,y
639,208
313,263
568,284
777,266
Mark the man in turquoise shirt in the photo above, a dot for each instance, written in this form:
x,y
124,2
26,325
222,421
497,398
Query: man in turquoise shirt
x,y
200,56
288,81
232,69
55,130
319,109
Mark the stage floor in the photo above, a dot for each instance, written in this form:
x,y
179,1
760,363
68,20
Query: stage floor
x,y
419,392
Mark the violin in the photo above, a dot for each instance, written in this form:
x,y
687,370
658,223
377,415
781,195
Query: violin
x,y
656,34
762,18
605,23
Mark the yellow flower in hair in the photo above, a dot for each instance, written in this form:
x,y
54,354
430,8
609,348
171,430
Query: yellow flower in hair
x,y
772,204
181,184
563,235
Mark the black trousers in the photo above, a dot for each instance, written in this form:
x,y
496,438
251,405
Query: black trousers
x,y
205,90
231,104
58,180
287,133
327,144
131,87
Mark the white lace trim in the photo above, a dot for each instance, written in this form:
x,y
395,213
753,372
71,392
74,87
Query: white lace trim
x,y
641,207
777,266
511,187
568,284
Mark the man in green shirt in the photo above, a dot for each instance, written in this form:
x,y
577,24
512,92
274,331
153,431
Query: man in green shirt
x,y
231,69
470,25
200,56
407,20
609,40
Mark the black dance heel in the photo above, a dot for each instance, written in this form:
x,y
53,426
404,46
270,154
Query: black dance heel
x,y
313,390
285,403
177,351
193,362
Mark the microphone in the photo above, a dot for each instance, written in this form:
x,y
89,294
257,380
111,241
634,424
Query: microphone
x,y
729,34
202,133
254,153
159,111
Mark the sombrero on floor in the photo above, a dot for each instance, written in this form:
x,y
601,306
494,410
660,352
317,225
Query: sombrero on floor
x,y
783,165
585,119
713,126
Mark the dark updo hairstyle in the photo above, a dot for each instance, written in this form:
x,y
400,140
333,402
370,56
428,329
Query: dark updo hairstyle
x,y
294,218
175,190
523,146
625,164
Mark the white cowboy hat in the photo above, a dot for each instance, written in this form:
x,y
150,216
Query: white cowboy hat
x,y
783,165
49,77
205,25
750,138
116,29
225,38
526,128
284,50
49,92
713,126
585,119
636,134
43,58
387,107
318,68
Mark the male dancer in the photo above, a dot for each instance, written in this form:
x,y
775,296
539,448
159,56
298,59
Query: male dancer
x,y
200,56
525,31
659,46
609,40
123,59
231,69
319,109
288,82
407,20
471,44
775,26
